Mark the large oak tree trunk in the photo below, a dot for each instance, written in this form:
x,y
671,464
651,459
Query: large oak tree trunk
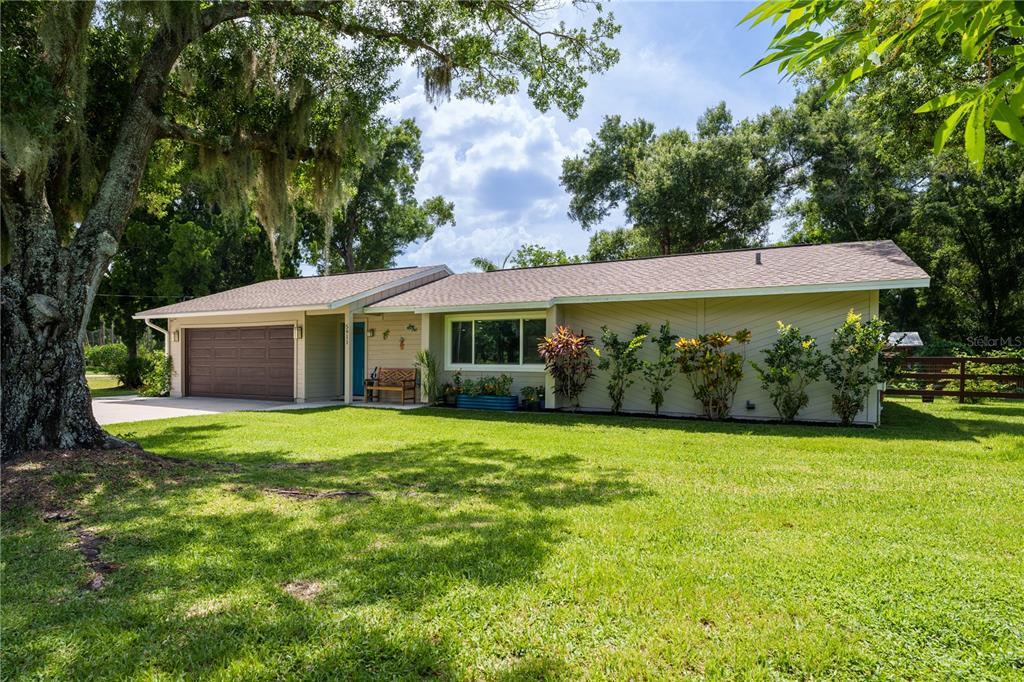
x,y
45,400
49,286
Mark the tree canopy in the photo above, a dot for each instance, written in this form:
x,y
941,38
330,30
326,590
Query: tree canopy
x,y
184,252
527,256
977,45
105,104
679,191
382,216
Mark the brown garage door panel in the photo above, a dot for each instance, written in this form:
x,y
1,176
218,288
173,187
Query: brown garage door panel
x,y
240,362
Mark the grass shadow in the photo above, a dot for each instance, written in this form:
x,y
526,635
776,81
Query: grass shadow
x,y
899,422
204,550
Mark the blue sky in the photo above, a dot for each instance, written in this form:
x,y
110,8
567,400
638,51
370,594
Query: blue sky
x,y
500,163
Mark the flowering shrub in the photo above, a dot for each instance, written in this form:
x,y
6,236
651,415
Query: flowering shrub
x,y
567,357
500,385
790,365
713,372
851,368
619,358
659,374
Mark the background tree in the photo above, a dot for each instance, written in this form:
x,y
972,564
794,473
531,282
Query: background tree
x,y
866,170
535,255
618,244
487,265
680,192
185,252
267,97
527,256
382,217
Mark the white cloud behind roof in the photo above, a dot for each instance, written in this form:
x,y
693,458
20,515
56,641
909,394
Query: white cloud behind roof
x,y
500,162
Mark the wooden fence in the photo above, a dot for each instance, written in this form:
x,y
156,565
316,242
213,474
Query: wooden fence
x,y
962,378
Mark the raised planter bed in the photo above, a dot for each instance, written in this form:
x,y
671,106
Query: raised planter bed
x,y
487,402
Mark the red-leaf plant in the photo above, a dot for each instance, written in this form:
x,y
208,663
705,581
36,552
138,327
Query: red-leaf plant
x,y
568,358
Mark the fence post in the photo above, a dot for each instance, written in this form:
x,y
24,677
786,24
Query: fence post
x,y
963,370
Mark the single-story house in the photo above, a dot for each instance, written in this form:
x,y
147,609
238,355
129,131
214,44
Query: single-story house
x,y
317,338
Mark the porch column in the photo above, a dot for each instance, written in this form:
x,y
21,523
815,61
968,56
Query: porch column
x,y
425,345
550,399
348,355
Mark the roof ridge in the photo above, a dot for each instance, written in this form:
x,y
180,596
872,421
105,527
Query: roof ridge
x,y
344,274
677,255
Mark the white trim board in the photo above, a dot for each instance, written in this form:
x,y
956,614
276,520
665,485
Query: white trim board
x,y
247,311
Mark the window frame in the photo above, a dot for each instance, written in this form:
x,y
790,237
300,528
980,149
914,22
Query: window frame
x,y
473,317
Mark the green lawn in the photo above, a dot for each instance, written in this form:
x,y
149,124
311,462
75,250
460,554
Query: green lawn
x,y
519,546
105,385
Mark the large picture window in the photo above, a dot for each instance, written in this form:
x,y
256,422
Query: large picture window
x,y
506,342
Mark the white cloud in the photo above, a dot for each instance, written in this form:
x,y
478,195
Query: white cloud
x,y
500,163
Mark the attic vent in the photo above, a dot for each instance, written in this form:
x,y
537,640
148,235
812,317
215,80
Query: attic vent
x,y
757,258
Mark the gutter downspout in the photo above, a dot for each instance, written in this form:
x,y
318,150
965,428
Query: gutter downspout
x,y
167,336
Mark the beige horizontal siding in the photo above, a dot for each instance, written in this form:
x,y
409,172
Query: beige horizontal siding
x,y
623,318
815,314
381,352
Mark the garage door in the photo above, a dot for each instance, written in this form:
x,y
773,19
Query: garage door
x,y
240,362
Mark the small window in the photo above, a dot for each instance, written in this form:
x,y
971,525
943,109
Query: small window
x,y
496,342
533,334
462,342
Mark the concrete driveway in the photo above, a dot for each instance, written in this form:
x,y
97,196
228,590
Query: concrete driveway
x,y
136,408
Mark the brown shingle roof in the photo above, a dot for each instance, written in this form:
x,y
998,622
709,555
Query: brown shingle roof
x,y
299,292
852,265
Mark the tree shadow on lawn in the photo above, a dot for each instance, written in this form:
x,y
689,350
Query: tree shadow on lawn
x,y
899,422
203,556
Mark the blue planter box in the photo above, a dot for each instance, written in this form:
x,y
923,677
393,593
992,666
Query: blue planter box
x,y
488,402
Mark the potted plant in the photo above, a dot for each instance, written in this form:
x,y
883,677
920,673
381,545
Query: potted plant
x,y
533,398
487,393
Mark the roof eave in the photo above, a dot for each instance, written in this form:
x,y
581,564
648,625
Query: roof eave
x,y
330,305
147,315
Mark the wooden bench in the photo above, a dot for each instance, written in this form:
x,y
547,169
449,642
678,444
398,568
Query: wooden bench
x,y
391,379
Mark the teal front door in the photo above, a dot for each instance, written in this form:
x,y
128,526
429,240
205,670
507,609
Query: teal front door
x,y
358,357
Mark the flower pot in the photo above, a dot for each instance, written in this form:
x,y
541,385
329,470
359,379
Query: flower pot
x,y
487,402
